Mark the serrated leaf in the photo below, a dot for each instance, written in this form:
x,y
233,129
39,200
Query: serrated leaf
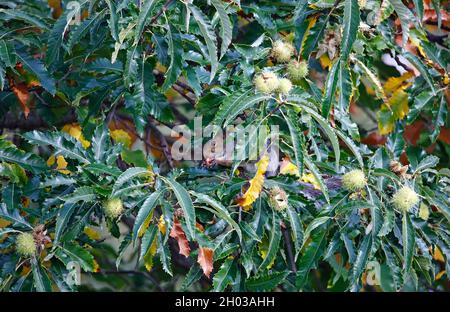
x,y
13,216
28,161
164,255
405,16
127,176
81,30
265,282
297,140
37,68
408,238
143,213
113,19
226,29
176,62
361,260
219,210
73,252
296,230
7,54
210,38
323,187
83,193
40,278
330,89
351,24
274,243
224,277
185,202
62,220
62,143
312,254
144,14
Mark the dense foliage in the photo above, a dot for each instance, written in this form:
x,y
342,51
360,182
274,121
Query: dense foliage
x,y
358,198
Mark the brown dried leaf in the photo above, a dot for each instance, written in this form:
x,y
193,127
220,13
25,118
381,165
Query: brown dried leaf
x,y
178,233
205,259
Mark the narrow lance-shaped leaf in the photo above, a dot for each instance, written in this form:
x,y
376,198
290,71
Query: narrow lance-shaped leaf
x,y
330,89
312,254
297,140
185,202
351,24
37,68
274,243
226,29
408,237
144,212
210,38
176,61
143,18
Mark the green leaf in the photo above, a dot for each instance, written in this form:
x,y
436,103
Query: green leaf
x,y
20,15
393,266
405,16
128,175
351,24
297,140
62,220
420,102
352,146
144,15
296,230
194,274
330,132
239,107
37,68
219,210
226,29
29,161
185,202
409,241
40,277
313,225
344,84
81,30
361,261
176,61
310,165
74,252
7,54
330,89
164,255
429,161
56,36
418,64
2,77
210,38
13,216
144,212
113,19
224,277
126,241
274,243
312,254
83,193
60,142
265,282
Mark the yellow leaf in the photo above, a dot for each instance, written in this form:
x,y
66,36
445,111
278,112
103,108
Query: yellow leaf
x,y
61,163
162,225
121,136
325,61
55,5
256,184
312,21
145,224
4,223
439,275
309,178
288,168
74,130
399,103
438,256
92,233
263,249
393,83
148,258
